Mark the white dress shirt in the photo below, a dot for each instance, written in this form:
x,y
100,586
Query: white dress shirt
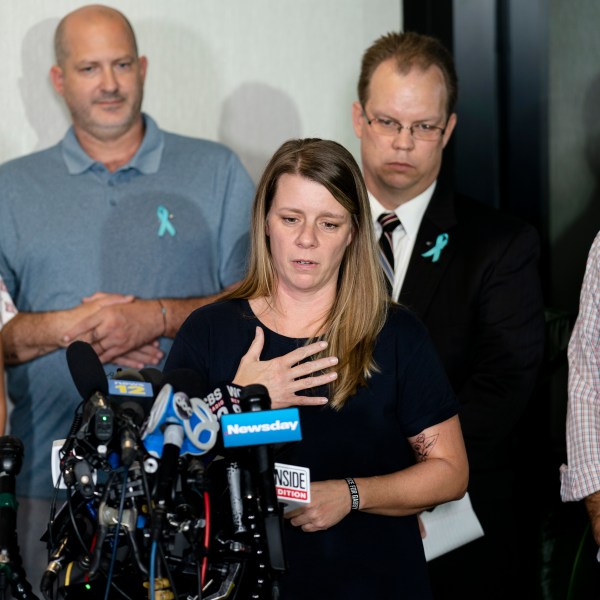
x,y
403,237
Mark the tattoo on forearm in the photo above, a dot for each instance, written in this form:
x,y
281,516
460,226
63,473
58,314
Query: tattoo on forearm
x,y
422,446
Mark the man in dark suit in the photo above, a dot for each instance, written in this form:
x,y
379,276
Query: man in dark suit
x,y
470,273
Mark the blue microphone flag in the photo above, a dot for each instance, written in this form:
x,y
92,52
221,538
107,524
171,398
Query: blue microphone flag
x,y
261,427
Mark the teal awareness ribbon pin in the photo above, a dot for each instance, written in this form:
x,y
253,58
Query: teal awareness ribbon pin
x,y
165,225
440,244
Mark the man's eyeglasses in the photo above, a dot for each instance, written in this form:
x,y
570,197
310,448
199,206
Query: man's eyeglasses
x,y
419,131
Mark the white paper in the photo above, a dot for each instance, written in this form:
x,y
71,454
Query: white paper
x,y
449,526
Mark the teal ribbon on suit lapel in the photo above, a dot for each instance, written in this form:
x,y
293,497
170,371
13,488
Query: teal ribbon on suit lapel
x,y
435,252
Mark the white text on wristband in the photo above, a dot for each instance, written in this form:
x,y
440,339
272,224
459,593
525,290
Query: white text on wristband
x,y
353,493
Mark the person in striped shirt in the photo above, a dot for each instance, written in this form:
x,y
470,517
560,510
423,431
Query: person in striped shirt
x,y
580,477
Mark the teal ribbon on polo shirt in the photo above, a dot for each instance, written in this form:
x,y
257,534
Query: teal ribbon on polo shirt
x,y
440,244
165,225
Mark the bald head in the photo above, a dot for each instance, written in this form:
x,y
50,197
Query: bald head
x,y
88,15
100,76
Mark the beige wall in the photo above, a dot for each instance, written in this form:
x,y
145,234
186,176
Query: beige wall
x,y
249,73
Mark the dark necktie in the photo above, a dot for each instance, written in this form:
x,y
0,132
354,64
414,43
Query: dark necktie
x,y
388,222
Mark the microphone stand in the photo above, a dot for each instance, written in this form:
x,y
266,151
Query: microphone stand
x,y
12,572
256,398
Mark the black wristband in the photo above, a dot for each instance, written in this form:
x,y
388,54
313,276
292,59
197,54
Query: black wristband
x,y
353,493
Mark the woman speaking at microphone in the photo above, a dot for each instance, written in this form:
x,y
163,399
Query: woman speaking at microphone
x,y
312,322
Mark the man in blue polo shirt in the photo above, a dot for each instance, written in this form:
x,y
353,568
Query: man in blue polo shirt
x,y
113,237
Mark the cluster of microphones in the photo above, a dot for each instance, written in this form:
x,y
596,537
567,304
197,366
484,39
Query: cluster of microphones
x,y
167,490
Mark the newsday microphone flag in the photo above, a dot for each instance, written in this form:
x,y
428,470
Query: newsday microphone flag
x,y
261,427
292,483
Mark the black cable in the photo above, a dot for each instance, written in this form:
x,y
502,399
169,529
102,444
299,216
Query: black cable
x,y
78,535
168,571
51,542
116,534
101,530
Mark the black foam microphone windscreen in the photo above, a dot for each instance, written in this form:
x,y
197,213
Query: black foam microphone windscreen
x,y
86,369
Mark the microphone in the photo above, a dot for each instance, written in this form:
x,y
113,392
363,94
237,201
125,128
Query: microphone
x,y
132,403
256,428
91,382
11,566
165,477
95,420
73,521
154,377
179,423
86,369
178,403
140,387
255,398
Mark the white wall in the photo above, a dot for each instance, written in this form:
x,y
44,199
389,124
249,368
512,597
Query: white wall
x,y
249,73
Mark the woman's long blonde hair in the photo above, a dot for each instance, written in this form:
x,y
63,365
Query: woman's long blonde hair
x,y
361,303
